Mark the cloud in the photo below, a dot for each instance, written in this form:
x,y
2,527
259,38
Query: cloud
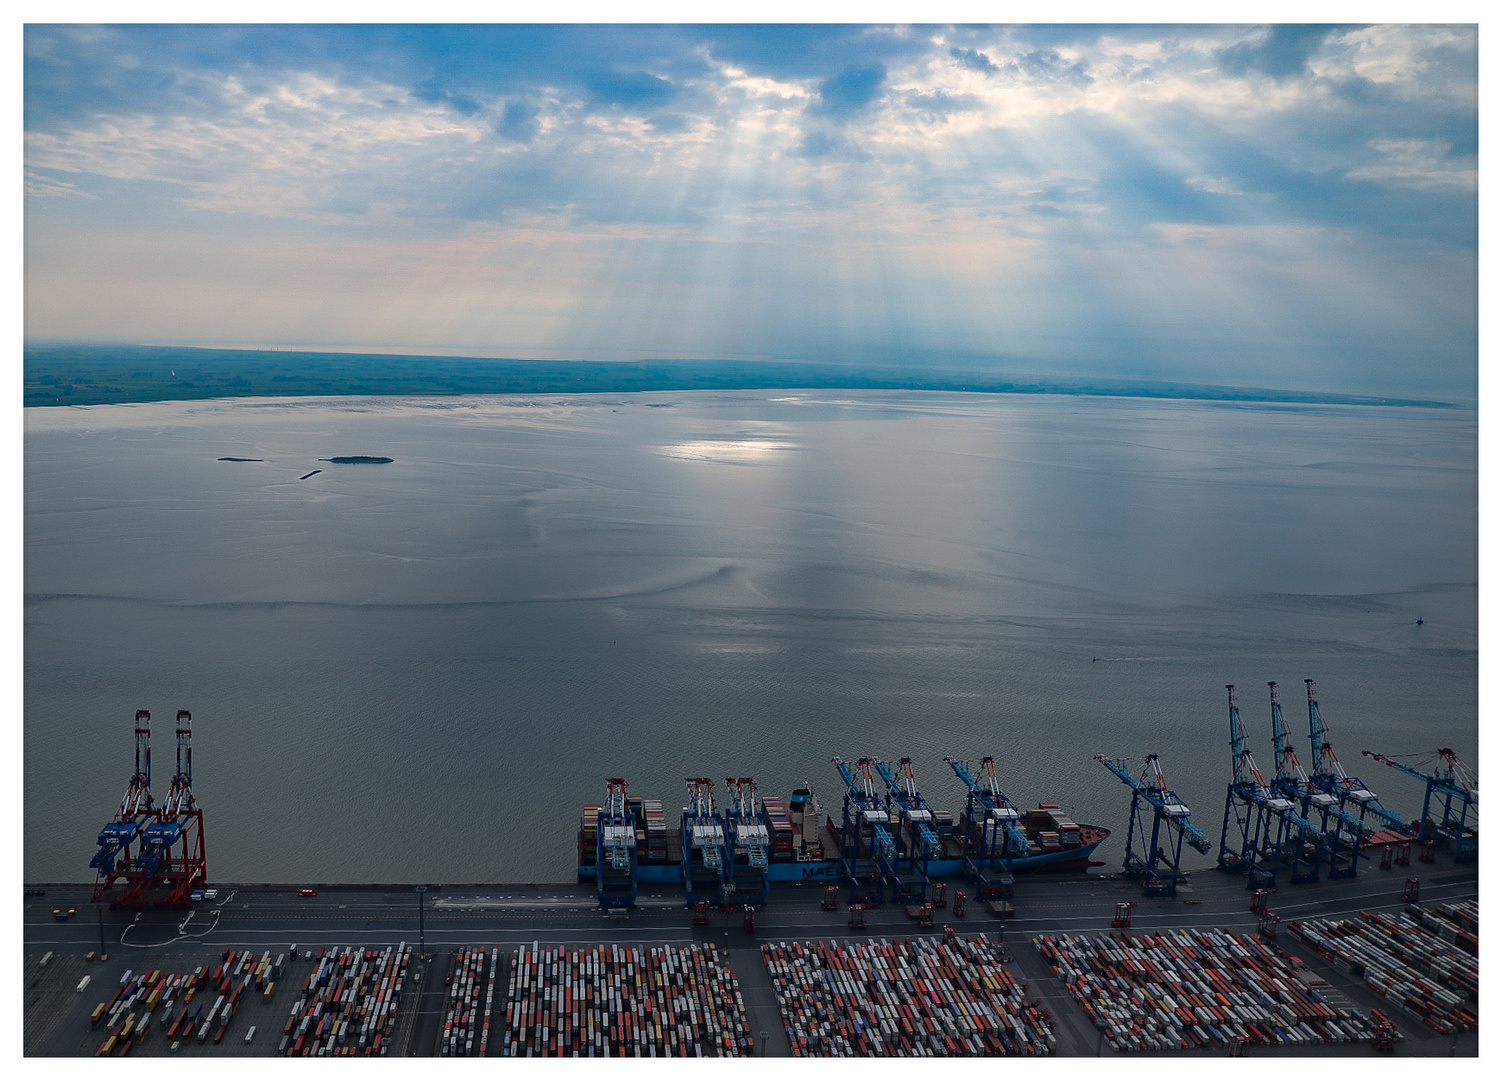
x,y
974,60
433,93
632,89
1047,65
851,91
518,121
1283,51
43,187
1416,163
931,167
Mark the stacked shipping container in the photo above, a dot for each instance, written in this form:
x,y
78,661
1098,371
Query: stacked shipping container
x,y
609,1001
1424,961
779,822
907,998
347,1006
466,1018
1179,989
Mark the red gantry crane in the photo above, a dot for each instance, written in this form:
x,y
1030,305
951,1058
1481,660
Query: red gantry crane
x,y
115,860
173,858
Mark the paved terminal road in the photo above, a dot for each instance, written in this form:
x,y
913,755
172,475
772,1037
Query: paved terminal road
x,y
260,917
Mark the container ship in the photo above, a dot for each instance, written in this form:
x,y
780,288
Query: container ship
x,y
888,837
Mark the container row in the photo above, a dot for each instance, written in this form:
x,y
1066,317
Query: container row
x,y
922,997
613,1001
1182,989
347,1005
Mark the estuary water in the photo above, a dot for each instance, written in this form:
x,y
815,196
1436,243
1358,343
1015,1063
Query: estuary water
x,y
423,669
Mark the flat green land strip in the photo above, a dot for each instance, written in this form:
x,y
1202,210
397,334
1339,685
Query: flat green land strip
x,y
110,374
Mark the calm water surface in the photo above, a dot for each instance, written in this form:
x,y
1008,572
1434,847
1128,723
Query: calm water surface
x,y
422,670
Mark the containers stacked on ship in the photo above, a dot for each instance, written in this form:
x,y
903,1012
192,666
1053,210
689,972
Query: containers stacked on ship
x,y
867,854
992,830
651,830
1051,829
776,818
746,840
588,843
703,845
917,844
615,852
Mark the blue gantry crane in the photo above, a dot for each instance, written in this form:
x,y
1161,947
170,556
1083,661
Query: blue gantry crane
x,y
1158,862
114,858
1270,829
993,836
615,850
1329,776
703,844
746,841
917,844
867,854
1343,833
1451,783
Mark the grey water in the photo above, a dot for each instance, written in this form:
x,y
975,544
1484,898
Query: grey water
x,y
423,670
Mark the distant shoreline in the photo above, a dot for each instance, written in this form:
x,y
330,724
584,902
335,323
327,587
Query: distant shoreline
x,y
116,375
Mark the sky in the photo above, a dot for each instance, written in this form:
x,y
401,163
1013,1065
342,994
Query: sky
x,y
1288,206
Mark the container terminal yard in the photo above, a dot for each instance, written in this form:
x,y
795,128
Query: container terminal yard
x,y
1328,925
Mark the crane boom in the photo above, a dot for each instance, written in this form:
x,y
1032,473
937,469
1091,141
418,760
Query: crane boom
x,y
1329,775
986,790
1153,788
1454,775
911,803
862,792
1293,781
1252,786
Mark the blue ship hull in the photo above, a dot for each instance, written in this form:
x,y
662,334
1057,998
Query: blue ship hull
x,y
827,871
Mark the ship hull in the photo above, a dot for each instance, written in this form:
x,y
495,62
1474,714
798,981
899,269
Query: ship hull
x,y
827,870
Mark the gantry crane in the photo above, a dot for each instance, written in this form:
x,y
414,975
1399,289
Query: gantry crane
x,y
1354,797
1159,860
993,836
615,849
1269,826
867,854
703,844
746,840
173,860
916,843
114,860
1343,833
1451,781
